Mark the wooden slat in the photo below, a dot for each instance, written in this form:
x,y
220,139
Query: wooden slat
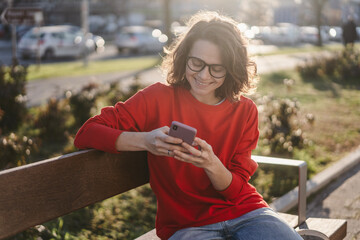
x,y
151,235
334,229
38,192
292,220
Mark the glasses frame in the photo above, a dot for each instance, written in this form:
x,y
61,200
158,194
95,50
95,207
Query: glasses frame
x,y
205,64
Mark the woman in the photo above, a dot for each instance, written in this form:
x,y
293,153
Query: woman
x,y
202,190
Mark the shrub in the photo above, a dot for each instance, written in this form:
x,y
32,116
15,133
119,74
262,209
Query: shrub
x,y
281,135
342,66
52,122
12,97
15,150
83,103
274,181
280,127
117,93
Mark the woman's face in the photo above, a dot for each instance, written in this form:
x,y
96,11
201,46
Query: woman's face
x,y
203,84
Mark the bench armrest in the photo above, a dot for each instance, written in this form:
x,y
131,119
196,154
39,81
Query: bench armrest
x,y
302,166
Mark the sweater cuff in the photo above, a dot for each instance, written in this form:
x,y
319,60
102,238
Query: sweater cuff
x,y
109,136
236,185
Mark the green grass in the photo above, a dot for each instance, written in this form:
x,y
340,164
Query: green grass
x,y
94,67
336,129
306,48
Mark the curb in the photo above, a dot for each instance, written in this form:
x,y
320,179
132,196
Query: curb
x,y
290,199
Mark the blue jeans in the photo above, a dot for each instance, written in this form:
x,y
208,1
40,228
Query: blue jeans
x,y
259,224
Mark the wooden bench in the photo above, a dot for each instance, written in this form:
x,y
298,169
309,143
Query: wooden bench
x,y
41,191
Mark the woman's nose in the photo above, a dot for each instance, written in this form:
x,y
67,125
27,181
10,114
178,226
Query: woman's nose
x,y
205,73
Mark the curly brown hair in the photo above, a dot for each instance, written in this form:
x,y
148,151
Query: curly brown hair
x,y
221,30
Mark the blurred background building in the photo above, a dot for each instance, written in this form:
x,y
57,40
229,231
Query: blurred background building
x,y
108,16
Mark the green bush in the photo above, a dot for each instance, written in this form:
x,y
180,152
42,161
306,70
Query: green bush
x,y
281,135
280,128
342,67
83,103
117,93
12,97
15,150
274,181
52,122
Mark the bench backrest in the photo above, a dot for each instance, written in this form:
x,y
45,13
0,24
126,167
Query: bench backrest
x,y
41,191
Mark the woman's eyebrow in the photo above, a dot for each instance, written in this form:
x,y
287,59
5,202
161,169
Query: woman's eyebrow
x,y
205,61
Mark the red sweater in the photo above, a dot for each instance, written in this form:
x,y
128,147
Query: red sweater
x,y
184,193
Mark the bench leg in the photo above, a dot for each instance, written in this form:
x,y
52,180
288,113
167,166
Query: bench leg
x,y
308,232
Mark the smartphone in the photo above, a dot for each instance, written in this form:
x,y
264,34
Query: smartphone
x,y
183,131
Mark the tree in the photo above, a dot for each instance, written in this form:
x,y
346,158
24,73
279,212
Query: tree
x,y
318,6
167,19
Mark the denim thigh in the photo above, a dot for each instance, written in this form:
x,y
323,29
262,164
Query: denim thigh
x,y
259,224
262,223
207,232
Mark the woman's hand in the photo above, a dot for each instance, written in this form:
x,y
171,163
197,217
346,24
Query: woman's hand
x,y
205,158
158,142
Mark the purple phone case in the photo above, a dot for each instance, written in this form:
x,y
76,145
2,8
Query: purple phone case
x,y
183,131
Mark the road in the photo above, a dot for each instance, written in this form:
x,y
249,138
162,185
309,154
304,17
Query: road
x,y
39,91
340,199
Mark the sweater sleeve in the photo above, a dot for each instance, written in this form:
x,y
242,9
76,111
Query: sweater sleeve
x,y
241,166
101,131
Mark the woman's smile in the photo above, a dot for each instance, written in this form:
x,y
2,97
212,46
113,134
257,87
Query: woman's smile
x,y
203,84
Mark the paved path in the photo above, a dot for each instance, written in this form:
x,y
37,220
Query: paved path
x,y
340,199
38,92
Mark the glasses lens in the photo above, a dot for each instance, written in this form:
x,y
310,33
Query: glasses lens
x,y
217,71
195,64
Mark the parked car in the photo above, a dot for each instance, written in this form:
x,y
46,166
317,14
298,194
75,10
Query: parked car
x,y
263,34
284,34
139,39
21,30
55,41
310,34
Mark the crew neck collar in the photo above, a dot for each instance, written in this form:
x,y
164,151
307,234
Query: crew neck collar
x,y
220,106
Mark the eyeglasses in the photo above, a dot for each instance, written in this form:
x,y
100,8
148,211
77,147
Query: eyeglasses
x,y
197,65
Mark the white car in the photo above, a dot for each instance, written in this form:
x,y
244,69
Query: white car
x,y
310,34
55,41
284,34
140,39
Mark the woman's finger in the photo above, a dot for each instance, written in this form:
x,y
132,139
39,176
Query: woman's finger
x,y
203,144
185,157
191,149
172,140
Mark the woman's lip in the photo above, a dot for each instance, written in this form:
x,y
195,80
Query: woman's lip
x,y
202,83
